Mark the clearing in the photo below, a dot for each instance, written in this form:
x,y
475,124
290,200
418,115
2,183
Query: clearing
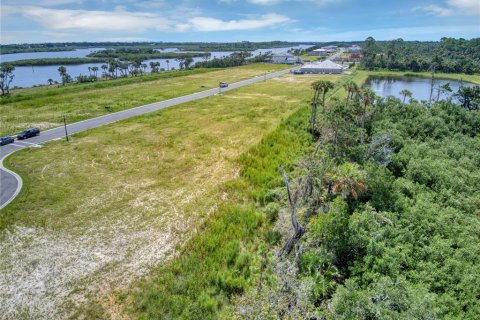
x,y
102,209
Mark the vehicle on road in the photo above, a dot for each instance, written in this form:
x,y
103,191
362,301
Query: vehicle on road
x,y
6,140
223,84
28,133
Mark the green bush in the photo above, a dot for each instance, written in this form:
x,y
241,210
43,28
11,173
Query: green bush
x,y
271,210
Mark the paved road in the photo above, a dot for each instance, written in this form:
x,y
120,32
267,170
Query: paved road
x,y
11,183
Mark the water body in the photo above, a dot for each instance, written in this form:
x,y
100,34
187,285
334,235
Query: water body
x,y
420,87
78,53
38,75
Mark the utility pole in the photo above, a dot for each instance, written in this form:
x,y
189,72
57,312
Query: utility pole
x,y
65,125
265,79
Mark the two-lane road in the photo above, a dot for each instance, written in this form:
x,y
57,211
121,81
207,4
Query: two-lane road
x,y
11,183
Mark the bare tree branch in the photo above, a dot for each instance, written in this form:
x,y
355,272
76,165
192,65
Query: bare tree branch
x,y
298,229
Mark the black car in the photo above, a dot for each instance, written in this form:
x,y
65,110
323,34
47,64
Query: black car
x,y
28,133
6,140
223,84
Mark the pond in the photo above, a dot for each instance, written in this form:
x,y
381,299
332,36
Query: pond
x,y
38,75
420,87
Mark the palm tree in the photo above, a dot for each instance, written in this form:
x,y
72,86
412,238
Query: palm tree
x,y
154,66
63,73
351,88
367,97
469,97
50,81
443,90
95,69
168,64
348,179
406,93
6,78
320,87
104,68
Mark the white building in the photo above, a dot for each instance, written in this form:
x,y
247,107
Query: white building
x,y
331,48
326,67
355,49
320,52
285,58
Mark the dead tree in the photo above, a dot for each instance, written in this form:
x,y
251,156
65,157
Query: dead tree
x,y
298,229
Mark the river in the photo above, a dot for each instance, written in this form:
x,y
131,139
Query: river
x,y
38,75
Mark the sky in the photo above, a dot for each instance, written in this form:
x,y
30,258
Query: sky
x,y
35,21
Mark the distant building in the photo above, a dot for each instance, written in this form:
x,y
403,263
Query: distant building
x,y
355,49
355,57
324,51
319,52
285,58
326,67
331,48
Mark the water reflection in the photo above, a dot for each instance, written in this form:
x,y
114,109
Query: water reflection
x,y
421,88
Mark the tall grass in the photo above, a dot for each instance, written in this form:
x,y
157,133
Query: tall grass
x,y
220,260
223,259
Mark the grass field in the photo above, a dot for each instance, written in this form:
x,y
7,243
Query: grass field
x,y
104,208
309,58
44,107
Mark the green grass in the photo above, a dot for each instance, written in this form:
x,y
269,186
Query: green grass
x,y
223,260
44,107
130,192
309,58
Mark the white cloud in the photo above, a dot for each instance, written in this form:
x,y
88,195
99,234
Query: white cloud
x,y
264,2
122,39
437,10
95,21
272,2
472,6
44,3
122,21
212,24
453,8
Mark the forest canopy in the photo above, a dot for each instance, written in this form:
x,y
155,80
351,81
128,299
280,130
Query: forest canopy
x,y
449,55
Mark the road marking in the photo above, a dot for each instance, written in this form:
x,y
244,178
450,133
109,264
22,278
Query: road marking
x,y
19,145
29,144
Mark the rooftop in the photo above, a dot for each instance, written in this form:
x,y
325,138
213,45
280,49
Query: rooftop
x,y
327,64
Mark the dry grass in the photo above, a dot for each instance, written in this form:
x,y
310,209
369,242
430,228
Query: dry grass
x,y
101,210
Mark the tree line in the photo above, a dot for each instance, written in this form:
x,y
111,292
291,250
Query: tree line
x,y
106,55
142,54
383,211
233,60
449,55
194,46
